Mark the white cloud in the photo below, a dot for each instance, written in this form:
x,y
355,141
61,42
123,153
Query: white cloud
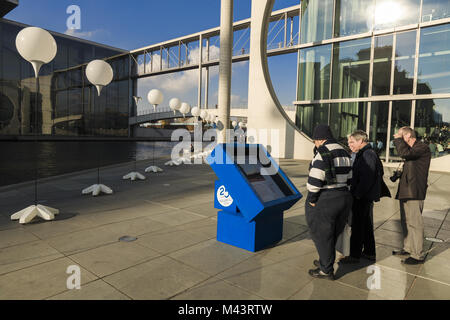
x,y
88,35
238,101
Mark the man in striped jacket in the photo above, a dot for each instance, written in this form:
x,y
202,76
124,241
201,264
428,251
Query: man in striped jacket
x,y
329,200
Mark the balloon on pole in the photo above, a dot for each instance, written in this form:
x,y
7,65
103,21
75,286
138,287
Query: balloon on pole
x,y
155,98
185,108
99,73
175,104
37,46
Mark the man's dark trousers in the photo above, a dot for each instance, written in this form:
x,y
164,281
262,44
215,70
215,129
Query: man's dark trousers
x,y
326,221
362,229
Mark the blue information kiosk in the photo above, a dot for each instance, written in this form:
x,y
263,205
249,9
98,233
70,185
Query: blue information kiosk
x,y
252,193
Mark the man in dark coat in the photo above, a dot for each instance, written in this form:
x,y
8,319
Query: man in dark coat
x,y
412,190
367,187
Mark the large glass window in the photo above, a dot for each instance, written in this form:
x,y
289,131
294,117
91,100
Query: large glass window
x,y
317,20
379,116
351,61
309,116
395,13
435,9
347,117
353,17
405,52
434,59
432,121
7,111
314,73
60,106
283,73
401,117
382,65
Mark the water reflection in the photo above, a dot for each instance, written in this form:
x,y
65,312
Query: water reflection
x,y
17,158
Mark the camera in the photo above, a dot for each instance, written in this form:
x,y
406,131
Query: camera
x,y
396,175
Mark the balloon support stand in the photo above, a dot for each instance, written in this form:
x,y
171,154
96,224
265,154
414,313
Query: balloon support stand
x,y
133,176
153,169
96,189
26,215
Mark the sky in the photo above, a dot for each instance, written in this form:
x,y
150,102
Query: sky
x,y
135,24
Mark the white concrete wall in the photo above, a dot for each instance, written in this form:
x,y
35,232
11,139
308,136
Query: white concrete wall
x,y
264,110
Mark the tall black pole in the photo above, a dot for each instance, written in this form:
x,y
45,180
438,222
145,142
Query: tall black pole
x,y
135,143
97,151
36,160
135,156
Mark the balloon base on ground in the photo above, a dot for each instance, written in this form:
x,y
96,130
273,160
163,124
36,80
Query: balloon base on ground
x,y
134,176
28,214
172,163
154,169
96,189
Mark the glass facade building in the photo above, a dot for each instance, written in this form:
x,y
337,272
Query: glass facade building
x,y
67,103
376,65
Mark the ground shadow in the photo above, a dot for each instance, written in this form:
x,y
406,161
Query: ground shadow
x,y
344,269
58,217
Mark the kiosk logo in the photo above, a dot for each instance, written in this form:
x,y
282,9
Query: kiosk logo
x,y
224,197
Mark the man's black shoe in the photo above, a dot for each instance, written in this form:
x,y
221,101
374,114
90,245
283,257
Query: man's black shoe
x,y
317,273
400,253
316,263
412,261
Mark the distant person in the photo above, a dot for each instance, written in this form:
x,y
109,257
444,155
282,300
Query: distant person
x,y
329,200
439,149
367,187
412,190
380,146
391,147
432,147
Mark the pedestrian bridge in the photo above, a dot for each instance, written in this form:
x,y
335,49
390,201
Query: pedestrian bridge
x,y
155,116
169,114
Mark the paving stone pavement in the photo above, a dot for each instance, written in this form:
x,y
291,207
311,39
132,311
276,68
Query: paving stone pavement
x,y
176,255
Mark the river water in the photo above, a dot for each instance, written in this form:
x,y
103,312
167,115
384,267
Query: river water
x,y
17,158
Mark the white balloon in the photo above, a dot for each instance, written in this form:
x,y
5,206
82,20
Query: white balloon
x,y
185,108
175,104
155,97
99,73
241,124
234,124
195,111
203,114
37,46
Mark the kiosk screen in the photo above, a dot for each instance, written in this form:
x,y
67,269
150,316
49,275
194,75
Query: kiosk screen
x,y
267,187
